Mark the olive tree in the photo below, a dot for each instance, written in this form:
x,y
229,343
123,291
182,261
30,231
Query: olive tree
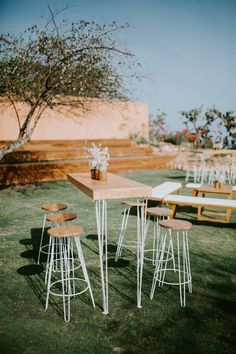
x,y
45,64
157,127
211,125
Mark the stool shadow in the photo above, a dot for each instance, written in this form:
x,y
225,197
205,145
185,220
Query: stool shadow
x,y
35,238
195,221
121,263
111,287
111,248
33,274
30,269
85,244
26,242
30,254
91,237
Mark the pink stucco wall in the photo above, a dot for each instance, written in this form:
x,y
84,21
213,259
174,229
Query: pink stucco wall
x,y
104,119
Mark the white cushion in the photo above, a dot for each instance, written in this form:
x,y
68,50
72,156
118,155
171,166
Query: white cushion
x,y
197,185
201,201
159,192
193,185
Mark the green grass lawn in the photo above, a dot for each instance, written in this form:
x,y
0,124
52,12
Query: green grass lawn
x,y
205,325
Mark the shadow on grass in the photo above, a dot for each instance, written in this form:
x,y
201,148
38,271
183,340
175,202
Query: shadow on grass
x,y
121,263
26,242
35,274
180,176
229,225
31,254
30,269
92,237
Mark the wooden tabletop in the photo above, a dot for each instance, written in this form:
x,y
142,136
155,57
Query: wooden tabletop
x,y
223,189
115,187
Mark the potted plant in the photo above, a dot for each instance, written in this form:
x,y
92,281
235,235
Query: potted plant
x,y
98,157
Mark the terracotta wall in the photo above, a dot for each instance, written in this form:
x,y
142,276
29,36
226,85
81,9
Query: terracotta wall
x,y
103,119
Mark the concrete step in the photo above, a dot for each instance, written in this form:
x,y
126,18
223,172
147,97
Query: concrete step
x,y
21,173
69,153
42,145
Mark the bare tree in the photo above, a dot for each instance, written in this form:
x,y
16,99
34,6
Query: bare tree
x,y
43,66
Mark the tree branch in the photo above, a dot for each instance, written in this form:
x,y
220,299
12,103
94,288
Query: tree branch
x,y
15,109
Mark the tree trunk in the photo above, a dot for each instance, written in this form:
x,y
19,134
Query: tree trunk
x,y
13,146
25,131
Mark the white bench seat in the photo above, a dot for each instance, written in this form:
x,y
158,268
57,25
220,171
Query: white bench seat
x,y
164,189
198,185
200,201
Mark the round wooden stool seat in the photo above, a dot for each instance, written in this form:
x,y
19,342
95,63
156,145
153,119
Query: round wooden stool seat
x,y
61,217
174,224
173,247
63,261
54,207
131,203
159,211
66,231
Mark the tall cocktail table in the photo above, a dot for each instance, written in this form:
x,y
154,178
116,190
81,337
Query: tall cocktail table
x,y
115,187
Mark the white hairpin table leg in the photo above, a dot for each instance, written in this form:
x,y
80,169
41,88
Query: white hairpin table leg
x,y
141,232
101,219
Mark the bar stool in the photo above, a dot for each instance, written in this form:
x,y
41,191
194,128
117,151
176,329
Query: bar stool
x,y
173,229
56,219
121,240
48,209
61,237
157,213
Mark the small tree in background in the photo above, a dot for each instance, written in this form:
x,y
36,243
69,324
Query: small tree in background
x,y
197,126
157,127
210,128
43,66
225,126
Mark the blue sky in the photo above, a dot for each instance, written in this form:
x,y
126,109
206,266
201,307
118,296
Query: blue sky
x,y
187,48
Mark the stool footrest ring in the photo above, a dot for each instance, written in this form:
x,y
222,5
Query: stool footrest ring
x,y
71,294
172,283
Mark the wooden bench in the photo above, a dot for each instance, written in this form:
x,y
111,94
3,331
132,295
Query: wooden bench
x,y
176,200
164,189
196,186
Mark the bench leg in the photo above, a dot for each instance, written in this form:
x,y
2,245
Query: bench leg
x,y
174,209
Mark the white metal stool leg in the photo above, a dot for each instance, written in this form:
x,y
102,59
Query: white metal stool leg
x,y
41,239
141,234
50,209
154,241
166,254
63,246
51,256
101,219
84,269
158,214
122,233
121,241
188,261
65,279
159,262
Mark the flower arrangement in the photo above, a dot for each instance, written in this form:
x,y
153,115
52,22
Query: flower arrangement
x,y
219,178
98,160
